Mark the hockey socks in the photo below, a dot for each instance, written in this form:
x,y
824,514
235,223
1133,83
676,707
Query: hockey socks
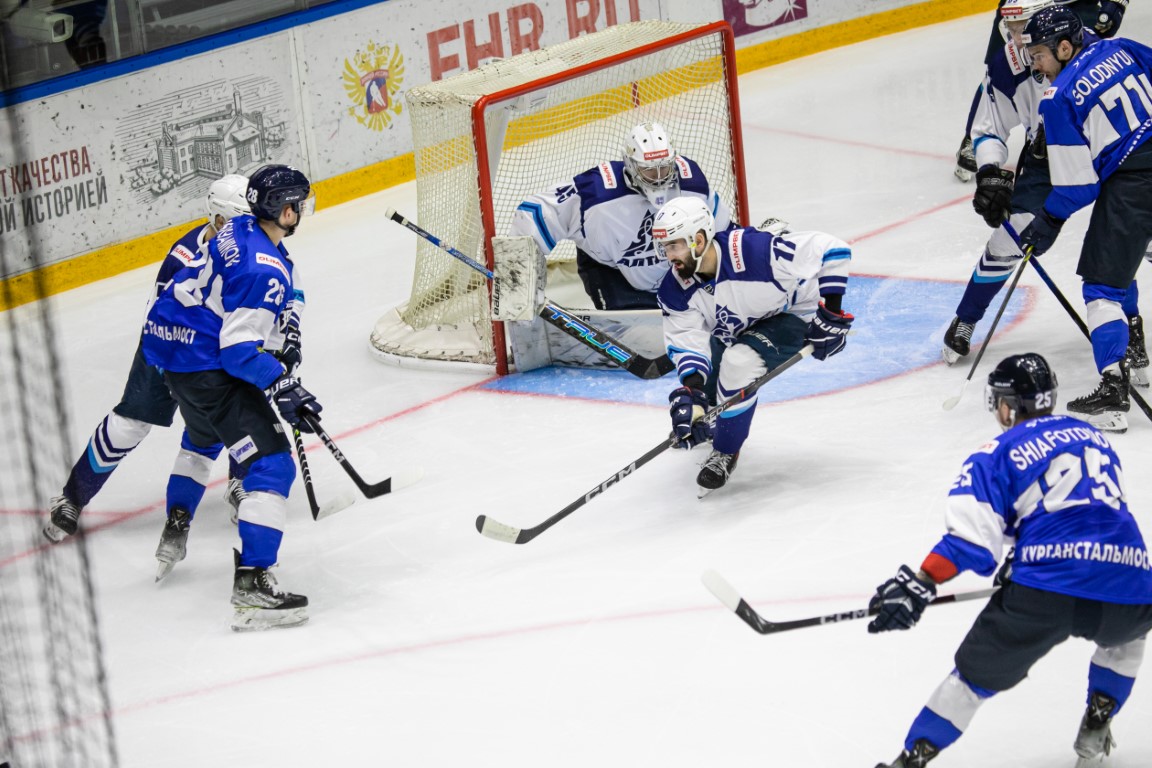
x,y
948,712
190,474
113,439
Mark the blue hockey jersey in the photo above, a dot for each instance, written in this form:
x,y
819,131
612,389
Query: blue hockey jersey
x,y
226,308
757,275
1097,112
1055,485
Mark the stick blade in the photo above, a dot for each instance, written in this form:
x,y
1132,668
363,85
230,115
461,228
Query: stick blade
x,y
406,476
497,530
338,504
951,402
720,587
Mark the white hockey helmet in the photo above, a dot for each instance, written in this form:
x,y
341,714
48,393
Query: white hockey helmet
x,y
226,198
650,163
1020,10
680,219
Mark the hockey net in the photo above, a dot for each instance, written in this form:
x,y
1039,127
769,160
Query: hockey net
x,y
485,139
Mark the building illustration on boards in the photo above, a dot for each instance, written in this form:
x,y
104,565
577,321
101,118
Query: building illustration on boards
x,y
211,146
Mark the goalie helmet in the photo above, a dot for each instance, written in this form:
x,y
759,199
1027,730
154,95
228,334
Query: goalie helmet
x,y
650,163
1025,383
274,186
680,219
1051,25
226,198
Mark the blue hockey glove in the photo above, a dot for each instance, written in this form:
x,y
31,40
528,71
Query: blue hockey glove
x,y
1041,233
291,354
993,198
1111,14
828,332
900,601
293,401
688,423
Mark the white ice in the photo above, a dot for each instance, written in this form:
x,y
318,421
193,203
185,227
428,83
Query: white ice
x,y
596,644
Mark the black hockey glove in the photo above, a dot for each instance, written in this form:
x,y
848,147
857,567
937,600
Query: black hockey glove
x,y
900,601
828,332
1041,233
1111,14
688,422
993,198
291,354
293,401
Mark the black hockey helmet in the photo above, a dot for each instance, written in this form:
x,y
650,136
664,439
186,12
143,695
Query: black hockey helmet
x,y
1051,25
272,187
1025,382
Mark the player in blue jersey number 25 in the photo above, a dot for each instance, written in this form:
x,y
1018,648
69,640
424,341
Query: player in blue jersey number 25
x,y
1080,566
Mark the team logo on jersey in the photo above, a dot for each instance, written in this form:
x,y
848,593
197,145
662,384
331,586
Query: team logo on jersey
x,y
683,167
272,261
736,250
607,175
372,80
1049,93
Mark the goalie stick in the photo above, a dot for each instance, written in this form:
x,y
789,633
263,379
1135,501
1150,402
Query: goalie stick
x,y
585,333
512,535
370,491
728,595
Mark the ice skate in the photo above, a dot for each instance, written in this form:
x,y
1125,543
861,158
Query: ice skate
x,y
235,494
1137,354
173,544
922,752
715,471
965,161
1106,408
1094,741
259,602
63,518
957,341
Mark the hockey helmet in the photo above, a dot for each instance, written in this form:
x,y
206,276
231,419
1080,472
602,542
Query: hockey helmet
x,y
1025,383
650,163
1014,15
680,219
272,187
1049,26
226,198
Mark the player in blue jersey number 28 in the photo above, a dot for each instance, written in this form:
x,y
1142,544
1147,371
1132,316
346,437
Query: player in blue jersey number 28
x,y
1080,566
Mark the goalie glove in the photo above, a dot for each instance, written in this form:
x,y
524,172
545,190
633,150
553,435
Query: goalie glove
x,y
993,198
900,601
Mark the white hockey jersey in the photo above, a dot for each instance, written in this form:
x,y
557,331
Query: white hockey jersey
x,y
609,220
757,275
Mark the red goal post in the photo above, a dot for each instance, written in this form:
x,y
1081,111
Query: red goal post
x,y
485,139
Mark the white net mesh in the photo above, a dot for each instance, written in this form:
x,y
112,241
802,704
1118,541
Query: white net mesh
x,y
539,129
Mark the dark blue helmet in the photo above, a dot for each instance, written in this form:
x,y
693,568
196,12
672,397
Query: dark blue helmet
x,y
1025,382
1051,25
272,187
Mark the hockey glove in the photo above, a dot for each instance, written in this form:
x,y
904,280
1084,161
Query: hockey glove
x,y
900,601
1041,233
293,401
688,422
291,354
1111,14
993,199
828,332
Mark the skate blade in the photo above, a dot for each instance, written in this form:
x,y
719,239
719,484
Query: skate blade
x,y
949,355
259,619
1115,422
1139,378
964,175
54,534
701,491
163,568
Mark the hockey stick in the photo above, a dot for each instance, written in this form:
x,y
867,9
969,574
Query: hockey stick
x,y
1072,313
728,595
341,502
593,338
512,535
951,402
370,491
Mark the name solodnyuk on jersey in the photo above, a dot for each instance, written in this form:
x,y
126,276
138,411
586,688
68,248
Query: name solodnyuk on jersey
x,y
1035,449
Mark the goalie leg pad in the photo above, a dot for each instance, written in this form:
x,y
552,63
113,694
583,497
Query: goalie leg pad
x,y
520,273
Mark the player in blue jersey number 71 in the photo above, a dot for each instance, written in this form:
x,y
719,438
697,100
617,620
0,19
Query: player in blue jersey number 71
x,y
1080,567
